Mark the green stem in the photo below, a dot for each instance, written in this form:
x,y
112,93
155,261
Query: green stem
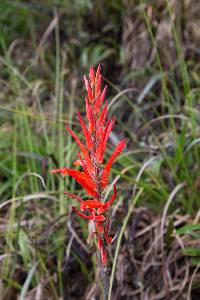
x,y
130,210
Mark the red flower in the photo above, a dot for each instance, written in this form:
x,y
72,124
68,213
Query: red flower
x,y
104,177
87,183
94,175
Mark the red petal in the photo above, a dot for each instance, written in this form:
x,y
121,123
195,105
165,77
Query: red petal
x,y
90,117
62,170
103,256
98,87
82,148
91,204
101,210
83,179
103,141
89,90
98,82
100,243
102,250
77,163
99,227
103,115
85,132
98,72
86,82
100,100
84,166
93,218
90,95
107,228
74,197
104,177
99,149
101,120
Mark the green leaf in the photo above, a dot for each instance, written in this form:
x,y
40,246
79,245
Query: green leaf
x,y
191,251
195,261
188,229
27,282
23,241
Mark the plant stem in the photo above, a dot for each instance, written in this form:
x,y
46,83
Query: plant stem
x,y
106,282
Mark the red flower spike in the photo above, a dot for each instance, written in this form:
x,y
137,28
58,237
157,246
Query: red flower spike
x,y
94,176
104,177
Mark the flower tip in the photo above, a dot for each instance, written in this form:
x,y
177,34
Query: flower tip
x,y
63,171
86,82
54,171
98,72
123,144
77,163
92,76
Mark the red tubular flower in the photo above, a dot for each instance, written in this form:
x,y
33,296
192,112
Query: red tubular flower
x,y
100,218
105,206
94,176
104,178
81,177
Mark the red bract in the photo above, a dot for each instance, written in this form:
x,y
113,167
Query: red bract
x,y
94,176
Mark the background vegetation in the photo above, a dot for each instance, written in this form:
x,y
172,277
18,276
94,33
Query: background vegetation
x,y
149,53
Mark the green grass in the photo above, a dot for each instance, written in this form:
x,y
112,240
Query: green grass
x,y
41,90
